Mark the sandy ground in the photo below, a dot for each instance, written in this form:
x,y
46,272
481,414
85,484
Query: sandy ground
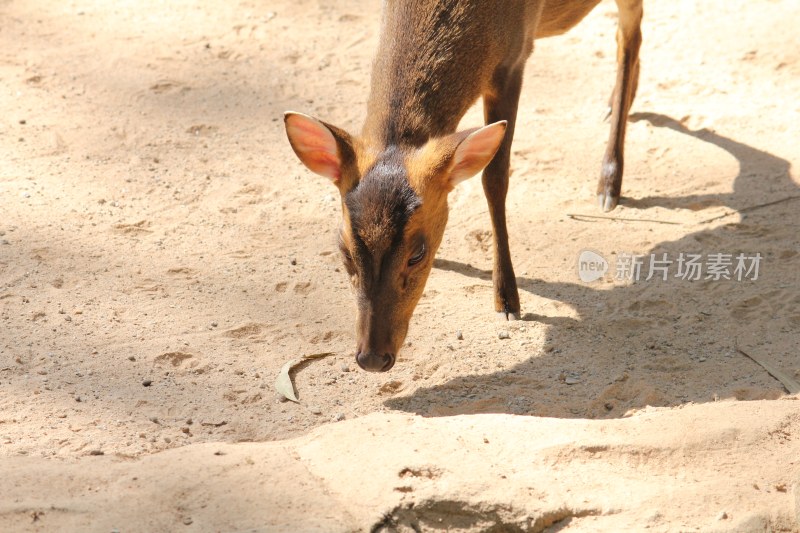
x,y
163,254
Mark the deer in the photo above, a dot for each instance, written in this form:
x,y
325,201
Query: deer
x,y
435,59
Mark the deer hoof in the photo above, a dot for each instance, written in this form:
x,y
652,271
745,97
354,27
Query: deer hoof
x,y
607,202
504,316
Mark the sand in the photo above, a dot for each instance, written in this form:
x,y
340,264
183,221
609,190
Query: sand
x,y
163,254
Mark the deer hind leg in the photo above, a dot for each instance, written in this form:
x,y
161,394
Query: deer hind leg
x,y
629,39
501,104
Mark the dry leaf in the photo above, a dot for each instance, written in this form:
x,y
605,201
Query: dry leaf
x,y
283,383
790,384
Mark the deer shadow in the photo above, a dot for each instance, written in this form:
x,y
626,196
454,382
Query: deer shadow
x,y
748,187
657,347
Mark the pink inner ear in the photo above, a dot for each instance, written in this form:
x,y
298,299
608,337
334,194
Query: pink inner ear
x,y
476,151
315,145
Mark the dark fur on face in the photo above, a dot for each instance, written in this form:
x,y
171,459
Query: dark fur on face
x,y
380,206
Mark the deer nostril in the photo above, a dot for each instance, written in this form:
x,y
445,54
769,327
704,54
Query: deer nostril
x,y
389,362
375,363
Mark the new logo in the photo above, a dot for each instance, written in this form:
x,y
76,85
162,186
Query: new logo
x,y
591,266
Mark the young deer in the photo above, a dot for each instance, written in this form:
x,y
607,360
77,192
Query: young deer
x,y
435,59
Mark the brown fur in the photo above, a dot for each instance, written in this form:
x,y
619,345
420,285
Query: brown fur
x,y
434,60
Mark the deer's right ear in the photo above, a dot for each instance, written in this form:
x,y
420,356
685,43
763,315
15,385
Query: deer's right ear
x,y
323,148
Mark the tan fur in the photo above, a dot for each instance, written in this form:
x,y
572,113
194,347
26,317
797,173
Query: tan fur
x,y
435,59
559,16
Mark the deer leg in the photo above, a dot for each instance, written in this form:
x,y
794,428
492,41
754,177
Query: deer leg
x,y
501,104
629,39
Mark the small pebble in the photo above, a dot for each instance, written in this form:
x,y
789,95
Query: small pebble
x,y
702,359
187,521
147,382
345,367
722,516
214,324
68,318
131,358
572,380
25,194
503,335
281,398
459,335
339,417
97,452
315,410
293,262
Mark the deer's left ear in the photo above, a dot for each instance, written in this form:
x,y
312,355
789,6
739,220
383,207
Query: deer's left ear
x,y
446,161
451,159
475,150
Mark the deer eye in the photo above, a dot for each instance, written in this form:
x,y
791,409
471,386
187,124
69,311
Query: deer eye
x,y
418,256
349,264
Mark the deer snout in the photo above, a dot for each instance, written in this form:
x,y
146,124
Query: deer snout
x,y
380,336
373,362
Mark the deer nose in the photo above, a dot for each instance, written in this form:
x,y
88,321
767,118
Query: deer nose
x,y
372,362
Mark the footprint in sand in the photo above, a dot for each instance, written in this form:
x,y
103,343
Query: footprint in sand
x,y
173,358
303,287
248,330
747,308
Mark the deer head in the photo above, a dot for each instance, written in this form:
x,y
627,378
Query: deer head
x,y
394,212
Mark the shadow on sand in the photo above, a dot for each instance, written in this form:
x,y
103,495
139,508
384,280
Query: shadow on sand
x,y
642,333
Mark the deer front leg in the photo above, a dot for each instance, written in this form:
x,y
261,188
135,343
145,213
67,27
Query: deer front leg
x,y
501,104
629,39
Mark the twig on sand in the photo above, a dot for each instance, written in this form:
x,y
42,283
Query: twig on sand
x,y
579,217
790,384
750,208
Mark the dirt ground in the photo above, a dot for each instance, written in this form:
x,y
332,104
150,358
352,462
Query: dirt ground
x,y
163,254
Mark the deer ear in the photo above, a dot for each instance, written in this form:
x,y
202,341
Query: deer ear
x,y
323,148
475,149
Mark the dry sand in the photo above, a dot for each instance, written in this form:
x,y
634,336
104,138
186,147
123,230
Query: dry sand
x,y
163,254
